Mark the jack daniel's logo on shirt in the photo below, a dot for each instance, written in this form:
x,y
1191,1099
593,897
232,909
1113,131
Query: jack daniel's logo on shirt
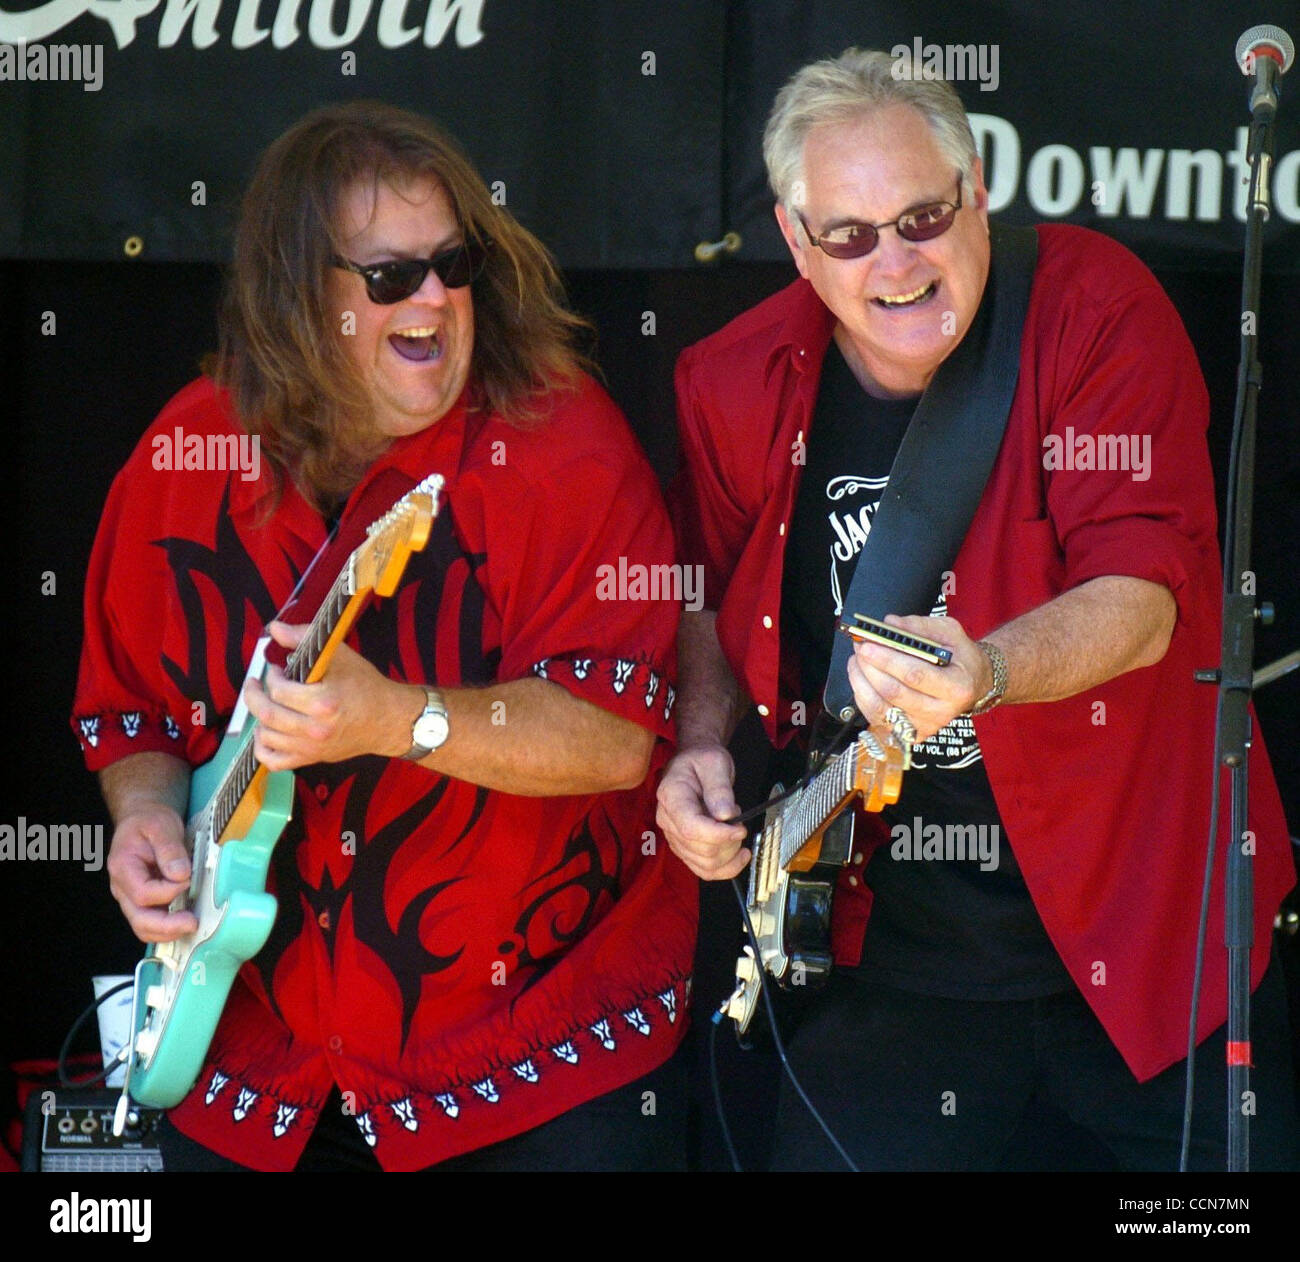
x,y
854,501
851,527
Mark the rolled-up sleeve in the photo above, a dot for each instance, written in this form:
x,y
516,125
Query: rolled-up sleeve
x,y
1129,485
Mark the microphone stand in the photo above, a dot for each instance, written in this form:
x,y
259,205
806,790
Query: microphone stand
x,y
1234,676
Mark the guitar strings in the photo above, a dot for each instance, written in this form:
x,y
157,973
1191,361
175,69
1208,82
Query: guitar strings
x,y
815,766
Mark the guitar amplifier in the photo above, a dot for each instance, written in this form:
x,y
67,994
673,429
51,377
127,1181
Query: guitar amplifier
x,y
71,1131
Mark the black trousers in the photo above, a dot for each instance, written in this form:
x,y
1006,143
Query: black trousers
x,y
912,1082
611,1132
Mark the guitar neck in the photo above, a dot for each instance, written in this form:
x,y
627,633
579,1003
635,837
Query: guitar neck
x,y
242,783
373,566
830,791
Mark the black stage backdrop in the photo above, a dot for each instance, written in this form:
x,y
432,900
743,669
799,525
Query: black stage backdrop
x,y
622,163
597,124
1124,117
604,126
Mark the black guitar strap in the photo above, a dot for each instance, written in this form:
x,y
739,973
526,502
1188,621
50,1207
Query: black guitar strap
x,y
944,460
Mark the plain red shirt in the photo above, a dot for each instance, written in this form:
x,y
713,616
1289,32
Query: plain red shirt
x,y
1106,794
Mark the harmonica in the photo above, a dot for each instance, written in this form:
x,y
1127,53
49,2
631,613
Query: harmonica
x,y
882,633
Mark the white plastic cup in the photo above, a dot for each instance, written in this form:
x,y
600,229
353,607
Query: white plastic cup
x,y
114,1023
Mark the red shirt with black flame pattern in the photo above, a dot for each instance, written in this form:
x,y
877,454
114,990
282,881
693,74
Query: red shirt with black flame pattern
x,y
464,963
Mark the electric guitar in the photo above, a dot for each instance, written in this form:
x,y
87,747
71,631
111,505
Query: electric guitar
x,y
238,810
804,842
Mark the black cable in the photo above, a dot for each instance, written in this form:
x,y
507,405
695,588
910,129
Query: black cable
x,y
776,1033
64,1080
717,1093
815,765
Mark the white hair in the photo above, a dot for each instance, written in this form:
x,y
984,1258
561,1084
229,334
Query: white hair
x,y
842,89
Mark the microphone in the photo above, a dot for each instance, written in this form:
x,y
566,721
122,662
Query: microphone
x,y
1265,53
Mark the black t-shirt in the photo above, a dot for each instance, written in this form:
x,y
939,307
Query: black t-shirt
x,y
951,913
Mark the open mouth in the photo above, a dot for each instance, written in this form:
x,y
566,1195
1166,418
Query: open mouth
x,y
416,345
917,298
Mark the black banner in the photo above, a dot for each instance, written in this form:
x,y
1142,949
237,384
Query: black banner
x,y
598,124
625,133
1130,118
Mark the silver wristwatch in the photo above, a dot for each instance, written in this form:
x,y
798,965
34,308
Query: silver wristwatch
x,y
431,728
999,664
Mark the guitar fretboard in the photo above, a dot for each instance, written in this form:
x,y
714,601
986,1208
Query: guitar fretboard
x,y
382,538
243,767
789,828
824,796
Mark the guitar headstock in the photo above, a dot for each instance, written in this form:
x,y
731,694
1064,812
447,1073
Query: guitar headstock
x,y
378,563
880,756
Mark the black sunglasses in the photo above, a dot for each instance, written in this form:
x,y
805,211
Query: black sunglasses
x,y
853,240
391,281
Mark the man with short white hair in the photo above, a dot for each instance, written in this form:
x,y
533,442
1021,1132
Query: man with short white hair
x,y
1066,731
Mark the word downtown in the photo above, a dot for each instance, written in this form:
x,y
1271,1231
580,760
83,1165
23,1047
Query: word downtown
x,y
80,843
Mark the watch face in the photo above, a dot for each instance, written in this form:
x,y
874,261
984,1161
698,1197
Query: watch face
x,y
430,730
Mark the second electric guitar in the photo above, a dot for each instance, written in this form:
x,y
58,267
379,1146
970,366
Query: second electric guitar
x,y
797,856
808,837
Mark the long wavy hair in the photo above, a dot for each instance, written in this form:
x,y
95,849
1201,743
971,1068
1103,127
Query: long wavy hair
x,y
280,355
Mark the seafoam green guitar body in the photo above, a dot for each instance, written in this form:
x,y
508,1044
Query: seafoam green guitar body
x,y
182,996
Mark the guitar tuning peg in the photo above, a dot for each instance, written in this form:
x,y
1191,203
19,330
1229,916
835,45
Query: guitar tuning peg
x,y
904,733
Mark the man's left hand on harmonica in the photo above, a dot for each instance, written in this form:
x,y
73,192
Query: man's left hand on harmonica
x,y
931,696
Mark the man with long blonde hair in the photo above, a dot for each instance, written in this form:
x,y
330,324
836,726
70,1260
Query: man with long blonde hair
x,y
478,958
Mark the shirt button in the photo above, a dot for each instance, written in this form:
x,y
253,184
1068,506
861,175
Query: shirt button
x,y
767,623
764,711
780,530
335,1043
853,880
324,920
322,792
857,858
